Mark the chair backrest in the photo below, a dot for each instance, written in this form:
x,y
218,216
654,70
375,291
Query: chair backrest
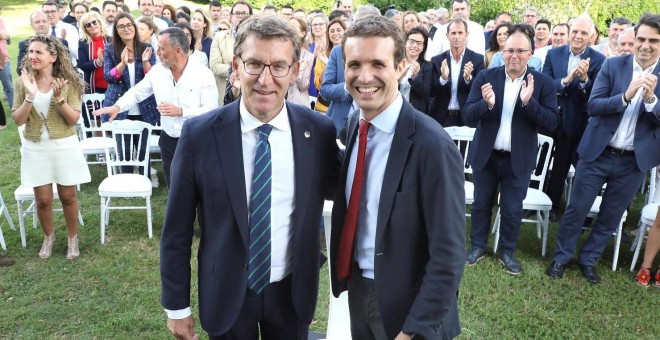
x,y
89,123
131,144
462,136
543,157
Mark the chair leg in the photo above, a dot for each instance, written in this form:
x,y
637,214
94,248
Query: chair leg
x,y
21,222
544,240
103,215
149,217
638,244
2,240
7,215
617,245
538,223
80,218
496,230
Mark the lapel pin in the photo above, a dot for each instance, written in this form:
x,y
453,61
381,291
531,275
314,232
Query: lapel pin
x,y
307,134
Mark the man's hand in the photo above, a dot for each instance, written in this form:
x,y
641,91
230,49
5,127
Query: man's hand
x,y
527,89
112,111
634,86
467,71
649,82
570,76
582,69
63,34
402,336
182,329
488,94
167,109
444,70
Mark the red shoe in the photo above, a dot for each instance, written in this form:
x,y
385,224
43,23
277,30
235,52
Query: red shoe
x,y
644,277
657,278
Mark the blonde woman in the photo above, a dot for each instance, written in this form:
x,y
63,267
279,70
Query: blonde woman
x,y
90,51
318,40
297,92
335,32
47,101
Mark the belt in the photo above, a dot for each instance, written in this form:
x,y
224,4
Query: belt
x,y
620,152
454,112
501,152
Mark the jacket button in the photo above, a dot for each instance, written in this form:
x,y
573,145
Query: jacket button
x,y
245,267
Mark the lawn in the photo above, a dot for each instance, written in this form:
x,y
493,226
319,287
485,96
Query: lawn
x,y
112,291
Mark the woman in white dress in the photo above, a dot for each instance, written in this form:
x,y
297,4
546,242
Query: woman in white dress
x,y
47,101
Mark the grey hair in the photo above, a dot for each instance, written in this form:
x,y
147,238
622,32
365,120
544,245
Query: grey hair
x,y
441,11
267,28
177,38
365,11
624,32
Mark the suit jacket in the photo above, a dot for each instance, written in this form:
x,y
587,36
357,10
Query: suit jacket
x,y
420,87
540,112
571,100
442,93
420,232
117,87
332,89
606,109
208,181
86,63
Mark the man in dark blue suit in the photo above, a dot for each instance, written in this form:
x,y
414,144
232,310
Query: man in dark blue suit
x,y
258,210
619,146
39,23
453,71
573,68
508,105
398,225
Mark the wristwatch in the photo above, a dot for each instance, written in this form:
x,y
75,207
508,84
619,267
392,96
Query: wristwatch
x,y
651,100
61,102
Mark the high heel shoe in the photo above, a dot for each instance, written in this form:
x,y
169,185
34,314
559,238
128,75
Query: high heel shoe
x,y
72,251
47,246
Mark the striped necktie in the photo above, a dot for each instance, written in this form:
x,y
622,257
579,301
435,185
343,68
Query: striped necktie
x,y
52,31
259,265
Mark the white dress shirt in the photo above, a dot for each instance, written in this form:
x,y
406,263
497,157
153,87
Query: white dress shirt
x,y
511,91
476,40
455,73
624,137
71,38
195,93
379,143
282,189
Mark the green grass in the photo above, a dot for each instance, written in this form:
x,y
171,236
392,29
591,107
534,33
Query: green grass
x,y
112,291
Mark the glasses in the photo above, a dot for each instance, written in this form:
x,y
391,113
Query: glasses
x,y
415,42
125,27
517,52
240,14
255,68
222,29
318,25
50,12
90,24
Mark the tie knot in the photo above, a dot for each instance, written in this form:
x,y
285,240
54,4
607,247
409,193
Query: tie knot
x,y
364,127
264,131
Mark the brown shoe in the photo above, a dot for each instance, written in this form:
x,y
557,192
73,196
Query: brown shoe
x,y
6,262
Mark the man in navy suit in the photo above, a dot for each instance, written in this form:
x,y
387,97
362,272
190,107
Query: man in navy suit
x,y
619,146
508,105
573,68
398,226
453,71
222,165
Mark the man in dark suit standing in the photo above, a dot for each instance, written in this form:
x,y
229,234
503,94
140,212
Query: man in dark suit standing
x,y
453,71
258,210
508,104
619,146
573,68
398,226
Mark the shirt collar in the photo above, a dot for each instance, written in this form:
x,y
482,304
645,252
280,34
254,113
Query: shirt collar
x,y
570,52
386,120
249,122
462,54
506,75
638,67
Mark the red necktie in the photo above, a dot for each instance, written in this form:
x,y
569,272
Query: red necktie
x,y
350,222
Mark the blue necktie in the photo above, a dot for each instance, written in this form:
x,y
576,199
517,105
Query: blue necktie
x,y
52,31
259,266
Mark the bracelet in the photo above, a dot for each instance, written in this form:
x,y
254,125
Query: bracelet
x,y
29,100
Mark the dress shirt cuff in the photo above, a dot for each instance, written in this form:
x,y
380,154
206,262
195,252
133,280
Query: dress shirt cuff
x,y
442,81
179,313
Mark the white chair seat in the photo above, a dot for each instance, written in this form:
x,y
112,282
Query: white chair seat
x,y
96,145
469,192
536,200
153,143
649,212
125,185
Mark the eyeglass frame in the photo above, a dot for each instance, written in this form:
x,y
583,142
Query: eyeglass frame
x,y
518,52
92,23
415,42
263,67
241,14
123,27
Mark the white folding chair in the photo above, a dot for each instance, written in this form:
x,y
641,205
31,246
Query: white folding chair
x,y
648,214
4,211
339,321
131,150
462,136
535,199
92,141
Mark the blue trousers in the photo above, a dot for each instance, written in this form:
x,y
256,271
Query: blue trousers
x,y
623,178
7,85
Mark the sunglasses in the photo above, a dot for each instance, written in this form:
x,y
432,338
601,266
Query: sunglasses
x,y
90,24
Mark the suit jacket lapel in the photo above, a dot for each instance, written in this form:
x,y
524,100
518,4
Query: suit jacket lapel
x,y
302,140
563,62
396,162
228,138
498,88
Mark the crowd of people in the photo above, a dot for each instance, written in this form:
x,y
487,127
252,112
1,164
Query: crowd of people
x,y
252,154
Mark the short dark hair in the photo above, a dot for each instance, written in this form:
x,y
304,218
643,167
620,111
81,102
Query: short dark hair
x,y
336,14
50,3
177,38
266,28
648,19
108,3
241,2
503,13
544,21
185,25
183,15
286,6
420,30
526,30
568,28
459,1
215,3
455,21
185,9
621,21
80,4
377,26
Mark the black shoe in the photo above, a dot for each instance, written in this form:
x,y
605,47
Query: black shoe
x,y
589,272
552,216
556,270
511,265
474,255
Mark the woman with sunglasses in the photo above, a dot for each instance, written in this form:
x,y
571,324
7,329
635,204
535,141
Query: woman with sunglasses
x,y
90,51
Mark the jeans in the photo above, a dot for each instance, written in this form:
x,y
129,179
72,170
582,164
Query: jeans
x,y
7,84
